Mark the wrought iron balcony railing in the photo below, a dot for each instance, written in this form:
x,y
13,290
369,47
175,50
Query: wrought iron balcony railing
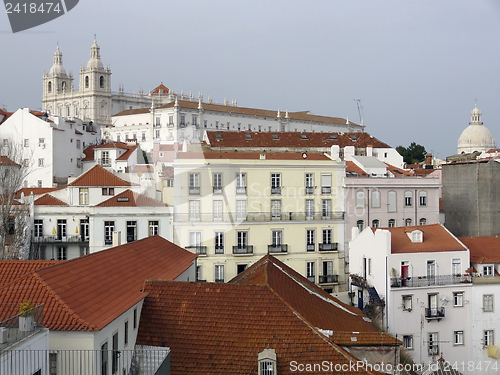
x,y
247,249
283,248
258,216
434,313
420,281
194,190
56,238
334,246
201,250
328,279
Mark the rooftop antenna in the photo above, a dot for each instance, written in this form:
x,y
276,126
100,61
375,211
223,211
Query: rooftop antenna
x,y
360,112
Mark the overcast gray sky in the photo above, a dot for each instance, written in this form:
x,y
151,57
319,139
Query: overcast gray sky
x,y
417,66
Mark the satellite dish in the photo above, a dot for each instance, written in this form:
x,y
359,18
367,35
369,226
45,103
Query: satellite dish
x,y
139,174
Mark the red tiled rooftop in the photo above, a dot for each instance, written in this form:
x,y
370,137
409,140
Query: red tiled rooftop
x,y
49,200
353,168
252,155
4,160
89,151
128,198
89,292
35,191
12,270
98,176
156,90
483,249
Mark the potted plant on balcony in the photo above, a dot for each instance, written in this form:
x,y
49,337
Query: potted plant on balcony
x,y
351,296
26,312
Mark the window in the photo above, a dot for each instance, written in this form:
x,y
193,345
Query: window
x,y
84,250
488,270
40,183
84,196
458,299
40,162
125,333
217,210
108,191
275,183
157,134
183,120
26,143
26,162
134,135
327,236
131,231
171,120
101,82
115,354
170,183
61,229
109,228
423,221
194,183
217,183
458,337
423,198
309,183
241,210
489,338
328,271
240,268
194,120
38,228
326,184
219,273
157,121
375,223
361,225
326,209
143,136
488,302
241,183
104,349
433,343
242,239
62,253
154,227
194,210
391,223
391,201
84,229
431,269
408,196
408,342
310,235
360,199
198,273
195,241
309,209
310,271
87,82
408,222
135,318
78,143
276,209
49,87
41,142
375,199
219,242
456,266
105,158
407,303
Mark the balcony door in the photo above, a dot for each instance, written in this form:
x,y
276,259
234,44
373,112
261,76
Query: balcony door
x,y
433,304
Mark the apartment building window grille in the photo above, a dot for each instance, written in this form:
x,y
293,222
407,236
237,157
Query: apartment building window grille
x,y
194,183
309,183
241,183
109,228
219,242
310,238
154,227
84,196
326,184
488,302
131,231
194,210
219,273
275,183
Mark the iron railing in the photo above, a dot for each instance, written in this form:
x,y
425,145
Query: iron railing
x,y
259,216
434,312
201,250
282,248
16,326
334,246
56,238
328,279
421,281
248,249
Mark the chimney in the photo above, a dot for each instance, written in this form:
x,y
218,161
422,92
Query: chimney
x,y
428,162
335,152
117,238
349,152
369,150
262,156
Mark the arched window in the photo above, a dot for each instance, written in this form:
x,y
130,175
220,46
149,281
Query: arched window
x,y
423,221
360,199
408,222
375,223
391,223
408,196
376,199
360,224
391,201
49,86
63,86
87,82
101,82
423,198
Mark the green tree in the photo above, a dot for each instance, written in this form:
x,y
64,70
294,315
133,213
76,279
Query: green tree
x,y
412,154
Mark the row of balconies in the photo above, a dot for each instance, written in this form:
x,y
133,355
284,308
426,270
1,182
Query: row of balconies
x,y
272,249
242,190
57,238
260,216
421,281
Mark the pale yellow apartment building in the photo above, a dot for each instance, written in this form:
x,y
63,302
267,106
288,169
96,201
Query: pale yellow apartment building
x,y
233,207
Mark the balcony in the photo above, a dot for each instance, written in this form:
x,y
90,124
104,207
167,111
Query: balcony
x,y
217,189
310,247
334,246
276,190
201,250
219,280
434,313
194,190
104,162
18,326
283,248
309,190
328,279
326,190
241,190
258,217
422,281
56,238
243,250
311,278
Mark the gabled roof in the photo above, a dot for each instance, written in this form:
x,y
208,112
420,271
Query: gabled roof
x,y
128,198
215,328
49,200
436,238
398,172
4,160
156,90
89,151
35,191
352,170
98,176
253,155
12,270
231,139
483,249
89,292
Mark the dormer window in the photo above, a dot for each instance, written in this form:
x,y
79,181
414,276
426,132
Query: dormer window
x,y
248,136
416,236
488,270
275,136
267,362
302,136
333,137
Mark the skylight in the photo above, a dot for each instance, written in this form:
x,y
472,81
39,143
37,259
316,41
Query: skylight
x,y
275,136
333,136
353,137
303,136
218,136
248,136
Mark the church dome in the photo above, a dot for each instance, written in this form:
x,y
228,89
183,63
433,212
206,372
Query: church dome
x,y
476,137
95,58
57,68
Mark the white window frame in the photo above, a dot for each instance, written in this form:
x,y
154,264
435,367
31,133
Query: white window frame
x,y
489,337
219,242
154,227
407,303
326,184
392,201
241,209
422,198
83,195
458,299
408,342
433,343
488,303
458,337
194,210
360,199
219,273
375,199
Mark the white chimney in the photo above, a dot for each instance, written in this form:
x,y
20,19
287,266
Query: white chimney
x,y
369,150
335,152
349,152
117,238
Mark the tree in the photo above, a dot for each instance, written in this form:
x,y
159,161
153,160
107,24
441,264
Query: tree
x,y
14,214
413,154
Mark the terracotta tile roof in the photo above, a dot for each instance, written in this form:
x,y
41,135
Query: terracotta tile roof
x,y
251,155
483,249
49,200
89,151
12,270
35,191
164,147
4,160
398,172
215,328
89,292
304,141
167,172
351,167
316,306
364,339
156,90
436,238
128,198
148,168
98,176
127,153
